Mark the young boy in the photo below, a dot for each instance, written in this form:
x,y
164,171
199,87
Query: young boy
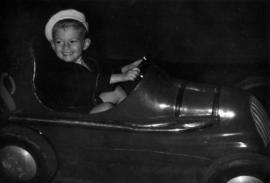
x,y
67,33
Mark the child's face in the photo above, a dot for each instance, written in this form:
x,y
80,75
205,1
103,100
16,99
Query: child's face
x,y
69,43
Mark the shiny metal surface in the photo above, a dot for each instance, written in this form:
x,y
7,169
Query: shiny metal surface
x,y
198,100
245,179
17,163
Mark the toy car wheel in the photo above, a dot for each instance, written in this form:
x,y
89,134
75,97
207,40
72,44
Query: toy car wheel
x,y
239,168
25,156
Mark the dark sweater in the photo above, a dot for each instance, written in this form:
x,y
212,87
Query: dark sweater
x,y
71,87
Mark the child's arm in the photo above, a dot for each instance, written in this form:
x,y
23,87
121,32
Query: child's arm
x,y
131,66
129,73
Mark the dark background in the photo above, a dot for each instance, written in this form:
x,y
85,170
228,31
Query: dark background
x,y
214,41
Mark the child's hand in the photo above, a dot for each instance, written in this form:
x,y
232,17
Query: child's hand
x,y
131,66
131,74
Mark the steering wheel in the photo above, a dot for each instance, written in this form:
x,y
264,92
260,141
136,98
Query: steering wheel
x,y
130,85
143,67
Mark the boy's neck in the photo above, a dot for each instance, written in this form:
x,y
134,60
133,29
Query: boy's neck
x,y
81,62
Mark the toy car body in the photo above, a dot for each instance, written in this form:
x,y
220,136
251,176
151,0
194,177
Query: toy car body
x,y
166,130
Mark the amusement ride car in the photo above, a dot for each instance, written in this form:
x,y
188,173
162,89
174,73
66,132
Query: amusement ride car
x,y
165,128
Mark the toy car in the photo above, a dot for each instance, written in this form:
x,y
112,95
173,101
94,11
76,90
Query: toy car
x,y
166,130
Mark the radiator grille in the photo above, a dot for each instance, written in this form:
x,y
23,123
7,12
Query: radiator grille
x,y
261,119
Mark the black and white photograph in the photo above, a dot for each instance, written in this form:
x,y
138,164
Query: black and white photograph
x,y
135,91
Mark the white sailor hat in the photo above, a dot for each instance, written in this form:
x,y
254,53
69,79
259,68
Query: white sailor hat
x,y
64,14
